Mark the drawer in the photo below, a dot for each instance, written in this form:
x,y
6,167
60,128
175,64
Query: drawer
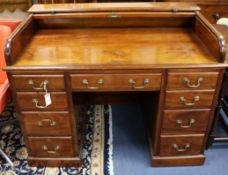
x,y
192,80
37,82
180,145
214,12
111,82
185,121
46,123
189,99
51,147
36,101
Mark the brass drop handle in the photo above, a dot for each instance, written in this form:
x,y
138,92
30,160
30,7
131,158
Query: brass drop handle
x,y
35,101
133,83
185,126
184,102
49,121
100,82
54,151
181,149
42,86
187,81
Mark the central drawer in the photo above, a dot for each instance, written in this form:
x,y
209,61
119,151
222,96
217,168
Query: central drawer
x,y
46,123
113,82
51,147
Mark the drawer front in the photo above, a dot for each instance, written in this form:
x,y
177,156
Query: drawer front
x,y
46,123
185,121
51,147
192,80
37,82
36,101
180,145
214,12
112,82
189,99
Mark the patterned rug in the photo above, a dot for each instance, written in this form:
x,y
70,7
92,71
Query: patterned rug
x,y
96,154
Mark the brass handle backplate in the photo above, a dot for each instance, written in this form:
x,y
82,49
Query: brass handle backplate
x,y
49,121
216,16
35,101
100,82
54,151
181,149
184,102
114,15
133,83
41,87
188,83
185,126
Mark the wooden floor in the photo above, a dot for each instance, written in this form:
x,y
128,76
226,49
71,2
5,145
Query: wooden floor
x,y
115,46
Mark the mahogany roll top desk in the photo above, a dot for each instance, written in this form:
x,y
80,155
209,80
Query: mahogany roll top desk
x,y
167,54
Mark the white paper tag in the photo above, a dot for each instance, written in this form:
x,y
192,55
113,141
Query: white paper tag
x,y
47,98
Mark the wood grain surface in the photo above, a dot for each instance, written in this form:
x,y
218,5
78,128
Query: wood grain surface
x,y
115,46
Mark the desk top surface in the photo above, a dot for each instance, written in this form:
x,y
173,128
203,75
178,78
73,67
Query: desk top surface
x,y
115,46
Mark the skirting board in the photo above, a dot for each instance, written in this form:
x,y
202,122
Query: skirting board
x,y
178,160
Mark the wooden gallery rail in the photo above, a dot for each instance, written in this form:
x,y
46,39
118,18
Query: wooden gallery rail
x,y
165,55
